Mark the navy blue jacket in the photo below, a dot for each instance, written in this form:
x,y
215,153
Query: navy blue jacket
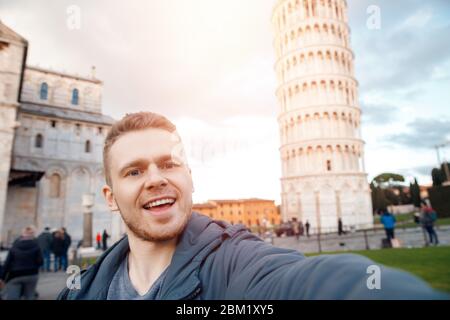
x,y
216,260
23,259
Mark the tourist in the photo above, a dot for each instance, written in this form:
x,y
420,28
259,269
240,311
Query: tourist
x,y
172,253
388,220
67,241
105,237
98,238
428,219
45,243
58,249
307,225
21,268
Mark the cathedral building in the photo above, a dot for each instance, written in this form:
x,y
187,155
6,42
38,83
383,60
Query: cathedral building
x,y
52,131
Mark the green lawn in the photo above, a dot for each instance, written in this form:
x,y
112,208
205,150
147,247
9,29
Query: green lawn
x,y
431,264
439,222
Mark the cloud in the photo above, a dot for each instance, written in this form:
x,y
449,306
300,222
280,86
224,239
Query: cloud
x,y
424,170
407,50
423,134
418,20
206,59
379,114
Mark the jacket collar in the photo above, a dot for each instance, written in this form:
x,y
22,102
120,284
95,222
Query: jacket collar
x,y
200,237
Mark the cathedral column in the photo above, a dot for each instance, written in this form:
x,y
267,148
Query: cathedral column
x,y
317,198
310,8
338,204
300,208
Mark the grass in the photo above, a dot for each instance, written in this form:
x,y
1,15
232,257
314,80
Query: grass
x,y
400,218
432,264
439,222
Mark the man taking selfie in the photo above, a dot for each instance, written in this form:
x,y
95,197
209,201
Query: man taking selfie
x,y
170,252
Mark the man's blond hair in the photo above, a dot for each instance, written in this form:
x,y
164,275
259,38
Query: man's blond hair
x,y
132,122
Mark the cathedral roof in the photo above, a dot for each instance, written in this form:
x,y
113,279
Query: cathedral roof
x,y
64,74
8,35
64,113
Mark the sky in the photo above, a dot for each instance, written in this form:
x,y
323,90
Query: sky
x,y
208,65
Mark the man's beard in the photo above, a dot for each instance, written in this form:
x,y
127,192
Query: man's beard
x,y
156,233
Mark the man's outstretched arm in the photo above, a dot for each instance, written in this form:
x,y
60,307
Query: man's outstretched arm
x,y
266,272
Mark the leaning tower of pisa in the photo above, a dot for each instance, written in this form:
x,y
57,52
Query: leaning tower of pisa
x,y
322,153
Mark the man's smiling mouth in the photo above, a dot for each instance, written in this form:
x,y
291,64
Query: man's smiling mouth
x,y
160,205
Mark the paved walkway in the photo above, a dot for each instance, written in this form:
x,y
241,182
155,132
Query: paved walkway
x,y
50,284
409,238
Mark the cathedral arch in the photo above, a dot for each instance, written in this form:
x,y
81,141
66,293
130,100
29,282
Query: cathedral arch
x,y
55,185
56,169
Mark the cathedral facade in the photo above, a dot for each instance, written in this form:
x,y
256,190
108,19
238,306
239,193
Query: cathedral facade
x,y
322,152
52,134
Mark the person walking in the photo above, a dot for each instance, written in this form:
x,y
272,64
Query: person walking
x,y
45,243
429,217
67,241
388,220
21,269
301,228
295,228
58,249
105,237
98,238
307,225
340,227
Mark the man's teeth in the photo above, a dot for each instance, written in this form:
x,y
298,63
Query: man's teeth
x,y
159,202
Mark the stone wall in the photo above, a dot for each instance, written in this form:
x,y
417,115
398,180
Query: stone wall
x,y
20,211
12,54
60,89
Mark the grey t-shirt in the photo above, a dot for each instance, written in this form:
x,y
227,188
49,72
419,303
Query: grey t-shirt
x,y
121,287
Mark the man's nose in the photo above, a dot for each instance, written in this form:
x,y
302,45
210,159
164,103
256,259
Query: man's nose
x,y
154,178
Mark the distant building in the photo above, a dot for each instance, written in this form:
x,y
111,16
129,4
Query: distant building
x,y
52,134
424,191
250,212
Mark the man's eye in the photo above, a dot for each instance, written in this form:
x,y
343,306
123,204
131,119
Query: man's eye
x,y
133,173
170,165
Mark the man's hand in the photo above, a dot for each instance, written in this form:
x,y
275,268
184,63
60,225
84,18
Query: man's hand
x,y
2,284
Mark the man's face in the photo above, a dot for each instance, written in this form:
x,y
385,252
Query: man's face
x,y
151,184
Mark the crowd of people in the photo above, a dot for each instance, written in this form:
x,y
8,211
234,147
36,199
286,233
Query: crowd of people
x,y
102,240
29,254
426,218
293,227
56,243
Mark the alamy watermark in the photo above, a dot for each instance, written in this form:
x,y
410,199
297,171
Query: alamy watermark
x,y
374,280
374,20
73,21
73,282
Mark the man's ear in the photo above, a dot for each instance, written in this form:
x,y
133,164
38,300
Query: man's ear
x,y
109,198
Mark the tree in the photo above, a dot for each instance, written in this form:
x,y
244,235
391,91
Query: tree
x,y
388,178
391,197
414,190
405,197
445,169
438,177
379,201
